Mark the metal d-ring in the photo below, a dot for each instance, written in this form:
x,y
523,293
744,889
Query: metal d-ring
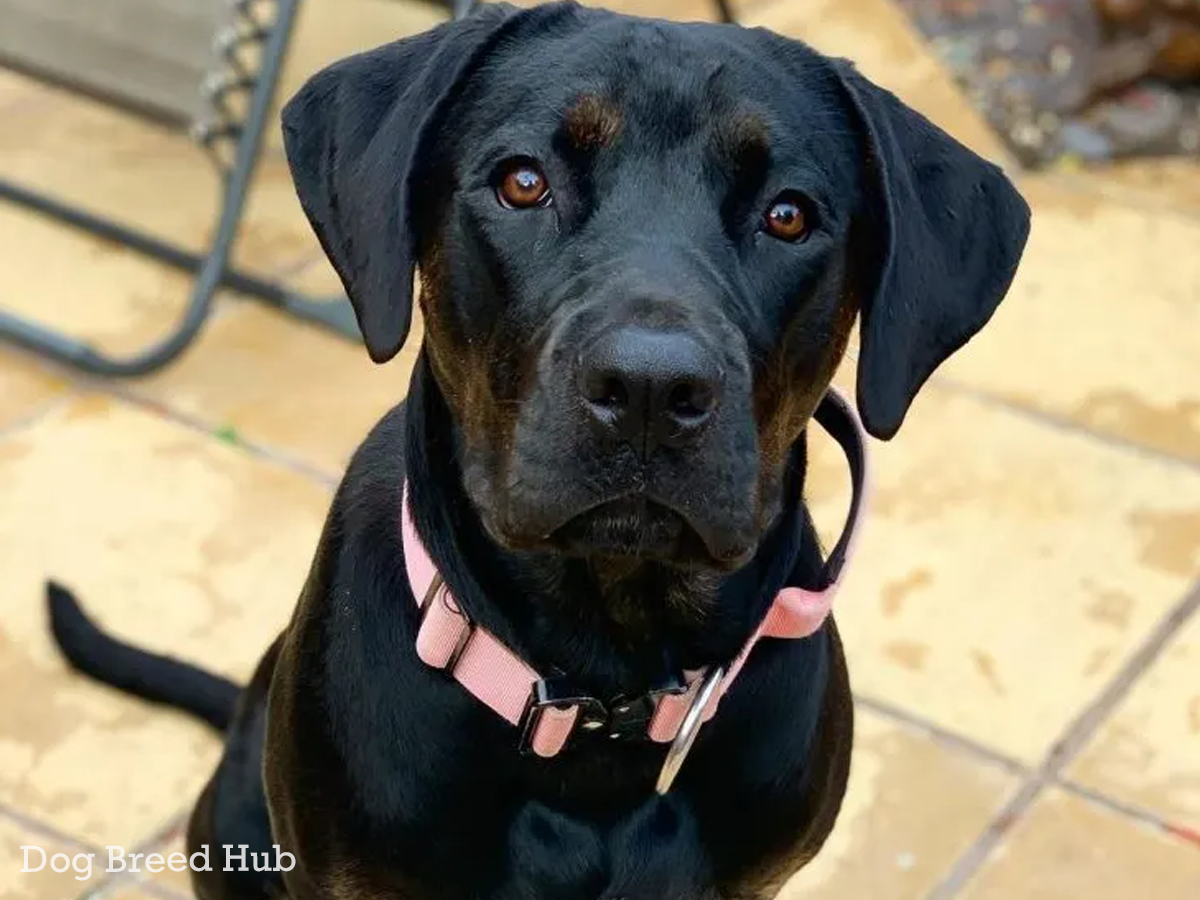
x,y
688,729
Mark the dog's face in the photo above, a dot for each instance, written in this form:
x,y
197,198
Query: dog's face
x,y
642,249
634,286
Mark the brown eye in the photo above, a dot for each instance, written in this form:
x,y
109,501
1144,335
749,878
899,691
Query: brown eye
x,y
523,185
786,219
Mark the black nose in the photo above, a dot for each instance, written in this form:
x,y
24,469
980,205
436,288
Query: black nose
x,y
650,388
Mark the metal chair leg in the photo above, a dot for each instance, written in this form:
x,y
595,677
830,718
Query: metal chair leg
x,y
212,269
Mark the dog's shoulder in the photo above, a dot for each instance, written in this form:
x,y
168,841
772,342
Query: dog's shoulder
x,y
378,462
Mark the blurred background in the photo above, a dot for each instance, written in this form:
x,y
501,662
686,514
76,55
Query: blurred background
x,y
1021,621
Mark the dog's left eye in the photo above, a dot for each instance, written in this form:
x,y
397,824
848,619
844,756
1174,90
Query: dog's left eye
x,y
522,184
787,218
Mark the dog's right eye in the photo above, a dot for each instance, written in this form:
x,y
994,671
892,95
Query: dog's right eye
x,y
522,185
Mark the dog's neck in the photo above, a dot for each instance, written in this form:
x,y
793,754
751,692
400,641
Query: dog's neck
x,y
615,625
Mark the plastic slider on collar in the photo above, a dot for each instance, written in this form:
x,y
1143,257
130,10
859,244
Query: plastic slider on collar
x,y
444,631
554,713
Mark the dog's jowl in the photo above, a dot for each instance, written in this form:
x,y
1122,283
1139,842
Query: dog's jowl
x,y
566,634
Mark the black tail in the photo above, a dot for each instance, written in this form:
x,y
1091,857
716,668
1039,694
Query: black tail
x,y
159,679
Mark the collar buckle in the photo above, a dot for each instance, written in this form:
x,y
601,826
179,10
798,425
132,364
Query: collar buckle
x,y
630,717
621,719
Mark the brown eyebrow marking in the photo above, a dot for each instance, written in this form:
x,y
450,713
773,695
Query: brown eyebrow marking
x,y
744,140
593,122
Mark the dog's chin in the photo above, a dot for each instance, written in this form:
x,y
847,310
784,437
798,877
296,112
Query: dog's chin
x,y
630,526
637,528
623,529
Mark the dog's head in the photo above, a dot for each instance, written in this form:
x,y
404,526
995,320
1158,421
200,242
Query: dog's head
x,y
642,248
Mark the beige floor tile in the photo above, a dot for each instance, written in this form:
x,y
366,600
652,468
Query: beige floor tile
x,y
278,382
1101,323
316,277
79,875
12,86
1067,848
85,286
1164,183
25,386
1006,568
134,892
178,882
912,808
1149,752
275,237
175,541
328,30
890,53
117,164
147,177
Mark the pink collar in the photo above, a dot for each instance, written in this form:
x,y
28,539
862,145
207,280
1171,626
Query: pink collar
x,y
549,716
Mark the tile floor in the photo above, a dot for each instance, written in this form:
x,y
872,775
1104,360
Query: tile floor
x,y
1022,627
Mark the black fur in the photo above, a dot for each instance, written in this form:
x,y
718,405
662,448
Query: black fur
x,y
614,562
159,679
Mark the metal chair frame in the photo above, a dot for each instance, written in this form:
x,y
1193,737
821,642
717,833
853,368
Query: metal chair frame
x,y
211,266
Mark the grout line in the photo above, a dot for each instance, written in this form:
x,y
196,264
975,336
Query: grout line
x,y
38,412
981,849
944,736
43,829
294,266
1093,716
145,846
104,888
1123,808
111,886
109,882
967,865
1067,747
160,891
1063,423
126,391
260,451
301,264
174,824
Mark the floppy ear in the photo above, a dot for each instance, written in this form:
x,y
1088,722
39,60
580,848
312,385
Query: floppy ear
x,y
945,230
354,134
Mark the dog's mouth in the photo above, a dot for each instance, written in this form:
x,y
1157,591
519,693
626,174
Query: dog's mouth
x,y
632,526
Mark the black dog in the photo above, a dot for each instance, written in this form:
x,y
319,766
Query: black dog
x,y
642,249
